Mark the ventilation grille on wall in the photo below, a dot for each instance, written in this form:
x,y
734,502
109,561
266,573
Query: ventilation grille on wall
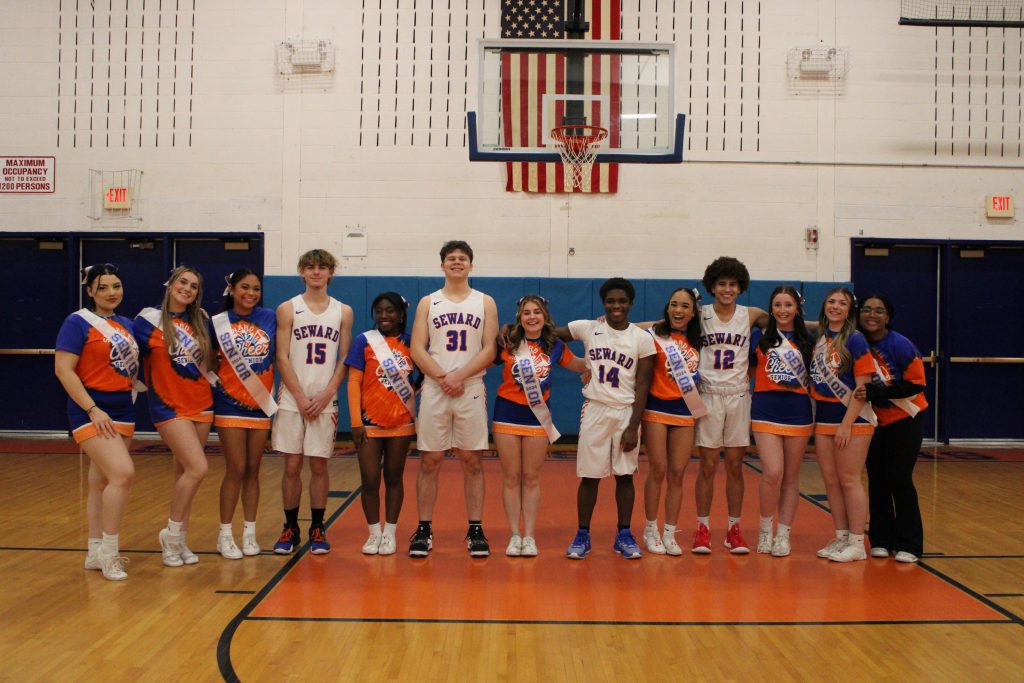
x,y
305,57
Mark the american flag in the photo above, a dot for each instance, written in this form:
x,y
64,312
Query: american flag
x,y
525,78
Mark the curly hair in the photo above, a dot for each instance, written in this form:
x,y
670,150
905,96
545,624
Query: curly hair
x,y
726,267
618,283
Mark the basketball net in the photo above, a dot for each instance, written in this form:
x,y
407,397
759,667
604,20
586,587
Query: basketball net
x,y
578,147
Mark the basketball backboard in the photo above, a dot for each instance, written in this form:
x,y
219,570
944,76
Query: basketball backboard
x,y
527,88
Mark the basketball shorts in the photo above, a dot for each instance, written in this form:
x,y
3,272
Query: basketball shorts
x,y
599,452
117,404
445,422
293,433
727,424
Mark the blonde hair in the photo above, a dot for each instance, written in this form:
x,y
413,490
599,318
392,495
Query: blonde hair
x,y
194,313
318,256
849,327
518,334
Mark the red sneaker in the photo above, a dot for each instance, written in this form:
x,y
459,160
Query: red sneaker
x,y
701,540
734,541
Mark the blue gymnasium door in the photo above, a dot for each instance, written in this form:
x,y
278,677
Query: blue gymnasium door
x,y
985,342
216,257
909,275
142,262
35,276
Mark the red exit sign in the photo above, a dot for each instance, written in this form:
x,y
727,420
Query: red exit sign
x,y
999,206
117,198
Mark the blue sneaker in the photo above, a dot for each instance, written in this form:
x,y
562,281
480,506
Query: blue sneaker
x,y
318,544
288,542
580,545
626,545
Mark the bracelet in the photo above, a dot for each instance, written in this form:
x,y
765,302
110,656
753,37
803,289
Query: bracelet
x,y
89,411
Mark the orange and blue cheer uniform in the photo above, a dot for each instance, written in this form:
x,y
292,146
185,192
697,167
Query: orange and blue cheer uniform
x,y
178,388
373,404
254,336
102,372
780,404
512,413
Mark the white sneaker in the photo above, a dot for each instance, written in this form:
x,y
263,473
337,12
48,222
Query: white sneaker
x,y
92,561
904,556
515,546
833,545
780,546
171,549
849,553
372,545
529,547
764,542
249,545
187,556
387,545
227,548
879,552
113,567
652,539
668,539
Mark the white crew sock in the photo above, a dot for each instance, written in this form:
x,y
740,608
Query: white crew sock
x,y
389,528
766,523
225,530
706,521
733,521
108,546
783,530
652,524
94,545
174,527
249,529
374,528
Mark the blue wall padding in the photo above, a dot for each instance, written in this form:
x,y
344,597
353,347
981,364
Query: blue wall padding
x,y
570,299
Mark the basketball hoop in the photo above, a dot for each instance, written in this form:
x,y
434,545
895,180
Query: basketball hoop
x,y
578,146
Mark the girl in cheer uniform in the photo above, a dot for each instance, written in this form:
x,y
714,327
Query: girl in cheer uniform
x,y
381,403
243,403
668,423
175,342
896,394
781,416
519,435
841,362
96,361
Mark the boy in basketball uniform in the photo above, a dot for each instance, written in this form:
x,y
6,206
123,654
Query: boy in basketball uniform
x,y
620,358
314,331
725,389
453,344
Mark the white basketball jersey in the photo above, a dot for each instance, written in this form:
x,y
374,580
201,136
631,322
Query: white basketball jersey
x,y
725,347
314,350
455,330
612,357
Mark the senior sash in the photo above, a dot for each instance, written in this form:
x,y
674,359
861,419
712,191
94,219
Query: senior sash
x,y
397,379
904,404
840,390
127,352
233,355
790,357
679,371
185,340
531,388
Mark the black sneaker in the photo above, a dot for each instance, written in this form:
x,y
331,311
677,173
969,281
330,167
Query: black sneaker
x,y
421,542
477,542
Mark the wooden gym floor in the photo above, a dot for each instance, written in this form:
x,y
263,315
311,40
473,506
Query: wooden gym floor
x,y
343,616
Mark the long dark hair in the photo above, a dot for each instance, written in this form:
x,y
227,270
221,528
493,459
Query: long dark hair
x,y
663,328
233,280
518,334
92,273
396,300
773,338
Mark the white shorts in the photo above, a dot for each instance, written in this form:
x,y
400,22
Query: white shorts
x,y
445,422
293,433
599,452
727,423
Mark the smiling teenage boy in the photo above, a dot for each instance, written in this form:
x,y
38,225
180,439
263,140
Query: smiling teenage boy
x,y
314,331
453,344
620,357
725,348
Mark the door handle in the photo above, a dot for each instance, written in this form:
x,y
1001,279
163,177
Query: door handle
x,y
26,352
986,359
931,358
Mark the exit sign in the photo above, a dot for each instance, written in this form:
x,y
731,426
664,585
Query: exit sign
x,y
999,206
117,198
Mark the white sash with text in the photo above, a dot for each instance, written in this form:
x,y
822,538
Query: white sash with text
x,y
233,356
531,388
397,379
679,371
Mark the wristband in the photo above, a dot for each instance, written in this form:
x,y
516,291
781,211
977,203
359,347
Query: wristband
x,y
89,411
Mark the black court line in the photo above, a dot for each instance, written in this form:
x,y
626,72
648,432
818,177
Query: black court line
x,y
1005,595
235,592
943,556
562,622
224,644
931,570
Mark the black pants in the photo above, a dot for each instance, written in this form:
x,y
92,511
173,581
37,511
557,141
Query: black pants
x,y
895,514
